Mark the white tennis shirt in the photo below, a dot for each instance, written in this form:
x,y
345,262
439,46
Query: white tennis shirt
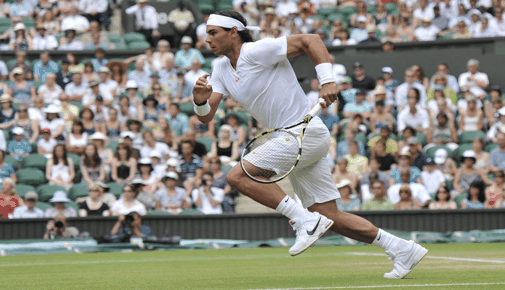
x,y
264,83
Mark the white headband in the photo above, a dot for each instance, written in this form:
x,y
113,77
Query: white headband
x,y
228,22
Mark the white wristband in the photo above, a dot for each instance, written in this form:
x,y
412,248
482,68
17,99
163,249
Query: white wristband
x,y
202,110
325,73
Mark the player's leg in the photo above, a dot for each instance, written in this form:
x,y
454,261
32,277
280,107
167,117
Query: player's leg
x,y
309,226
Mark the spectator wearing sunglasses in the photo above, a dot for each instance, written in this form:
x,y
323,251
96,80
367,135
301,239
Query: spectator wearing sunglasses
x,y
406,201
443,200
496,192
128,203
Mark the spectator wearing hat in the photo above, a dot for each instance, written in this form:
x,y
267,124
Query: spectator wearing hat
x,y
59,201
442,133
360,33
64,76
19,147
345,202
445,164
389,82
90,96
23,64
127,138
159,168
7,112
44,67
161,91
171,198
75,21
149,182
371,28
185,56
106,154
427,31
21,40
497,155
467,174
106,86
22,9
134,126
44,41
58,228
100,110
360,80
359,107
53,121
423,11
139,75
28,211
432,177
95,11
379,201
92,167
93,204
46,144
418,157
60,168
9,201
124,165
474,80
384,136
404,162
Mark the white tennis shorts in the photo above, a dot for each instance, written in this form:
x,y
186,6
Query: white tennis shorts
x,y
311,179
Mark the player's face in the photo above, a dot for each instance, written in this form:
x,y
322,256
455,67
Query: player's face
x,y
218,39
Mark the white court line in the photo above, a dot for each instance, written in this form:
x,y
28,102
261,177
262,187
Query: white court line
x,y
433,257
389,286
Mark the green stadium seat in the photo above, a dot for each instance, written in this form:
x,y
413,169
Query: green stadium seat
x,y
34,147
43,205
5,22
37,84
73,205
467,137
224,5
334,16
78,190
47,191
22,189
139,45
187,108
390,7
370,8
226,168
348,11
112,145
115,188
431,151
490,147
461,149
34,161
318,16
78,176
447,36
3,29
458,199
77,104
28,22
76,159
158,212
190,211
133,37
114,38
31,176
327,11
120,46
12,161
207,141
421,137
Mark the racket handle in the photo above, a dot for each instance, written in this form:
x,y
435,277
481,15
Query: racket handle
x,y
315,110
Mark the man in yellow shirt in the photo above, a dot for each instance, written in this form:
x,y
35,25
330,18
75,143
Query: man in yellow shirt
x,y
391,144
356,163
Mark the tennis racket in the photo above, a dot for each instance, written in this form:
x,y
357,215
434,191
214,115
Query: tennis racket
x,y
274,154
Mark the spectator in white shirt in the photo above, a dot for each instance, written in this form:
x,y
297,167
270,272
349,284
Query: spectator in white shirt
x,y
473,80
106,85
427,31
96,10
208,199
50,91
152,145
192,75
75,21
432,177
313,95
483,29
283,8
146,20
418,190
201,33
28,211
423,11
77,88
403,89
127,203
414,116
69,42
43,41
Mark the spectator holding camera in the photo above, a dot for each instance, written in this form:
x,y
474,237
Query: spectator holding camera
x,y
130,225
58,228
208,199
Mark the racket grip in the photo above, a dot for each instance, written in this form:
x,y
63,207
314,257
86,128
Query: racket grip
x,y
315,110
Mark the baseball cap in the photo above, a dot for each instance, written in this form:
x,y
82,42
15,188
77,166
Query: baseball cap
x,y
172,162
269,10
155,153
501,112
379,90
361,18
405,153
31,195
472,61
17,71
65,60
171,175
18,131
383,126
370,28
45,130
105,187
187,39
344,182
98,136
440,156
430,161
358,64
128,134
346,80
98,98
412,140
104,69
469,154
426,19
131,84
19,26
93,83
145,161
438,88
387,69
359,92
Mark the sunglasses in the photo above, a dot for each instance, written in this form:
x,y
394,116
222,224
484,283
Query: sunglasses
x,y
93,190
21,111
500,176
442,191
156,89
377,188
404,191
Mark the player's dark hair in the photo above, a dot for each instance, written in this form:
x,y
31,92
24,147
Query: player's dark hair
x,y
245,35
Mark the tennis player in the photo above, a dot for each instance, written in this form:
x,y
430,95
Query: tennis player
x,y
259,76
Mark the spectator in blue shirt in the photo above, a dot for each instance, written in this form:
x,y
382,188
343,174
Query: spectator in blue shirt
x,y
95,43
140,76
343,146
178,121
44,66
348,92
185,56
22,8
19,147
191,166
404,161
330,120
6,169
359,107
99,59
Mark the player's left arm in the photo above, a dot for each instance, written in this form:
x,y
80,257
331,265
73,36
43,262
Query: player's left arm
x,y
313,46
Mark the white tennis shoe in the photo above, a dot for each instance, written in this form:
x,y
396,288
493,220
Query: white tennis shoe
x,y
405,260
308,232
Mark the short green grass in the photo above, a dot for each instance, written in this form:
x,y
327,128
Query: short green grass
x,y
317,268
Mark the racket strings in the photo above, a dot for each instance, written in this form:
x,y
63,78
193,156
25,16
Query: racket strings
x,y
271,156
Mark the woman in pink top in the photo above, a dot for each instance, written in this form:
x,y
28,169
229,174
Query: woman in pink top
x,y
494,193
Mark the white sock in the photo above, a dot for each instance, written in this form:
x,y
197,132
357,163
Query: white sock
x,y
389,242
291,209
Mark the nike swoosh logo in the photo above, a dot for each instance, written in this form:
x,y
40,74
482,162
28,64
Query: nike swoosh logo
x,y
379,237
310,233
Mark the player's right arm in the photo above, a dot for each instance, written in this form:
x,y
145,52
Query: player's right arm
x,y
202,92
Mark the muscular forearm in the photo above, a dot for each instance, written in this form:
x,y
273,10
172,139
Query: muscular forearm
x,y
310,44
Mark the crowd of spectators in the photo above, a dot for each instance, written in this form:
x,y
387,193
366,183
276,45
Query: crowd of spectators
x,y
110,136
